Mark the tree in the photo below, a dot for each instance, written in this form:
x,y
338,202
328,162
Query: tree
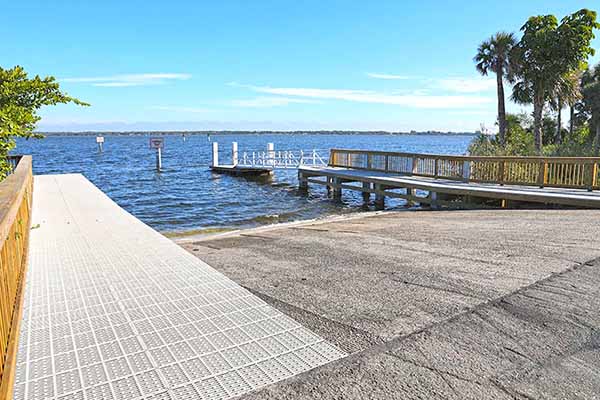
x,y
20,99
545,54
590,104
493,55
567,91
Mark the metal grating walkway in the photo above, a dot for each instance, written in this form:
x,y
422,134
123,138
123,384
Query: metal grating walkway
x,y
114,310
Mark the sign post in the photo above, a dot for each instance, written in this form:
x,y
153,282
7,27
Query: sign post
x,y
100,141
158,144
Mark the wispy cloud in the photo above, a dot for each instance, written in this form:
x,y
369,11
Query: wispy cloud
x,y
129,79
389,76
465,85
265,102
369,96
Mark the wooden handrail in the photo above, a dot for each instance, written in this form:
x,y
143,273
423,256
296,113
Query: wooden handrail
x,y
571,172
15,211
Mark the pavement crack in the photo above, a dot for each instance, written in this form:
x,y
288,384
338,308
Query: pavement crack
x,y
434,370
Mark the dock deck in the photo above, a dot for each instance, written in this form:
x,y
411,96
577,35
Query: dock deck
x,y
114,310
380,183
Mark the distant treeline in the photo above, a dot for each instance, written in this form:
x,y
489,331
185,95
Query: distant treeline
x,y
190,133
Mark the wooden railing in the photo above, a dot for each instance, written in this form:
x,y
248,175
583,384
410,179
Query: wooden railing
x,y
566,172
15,211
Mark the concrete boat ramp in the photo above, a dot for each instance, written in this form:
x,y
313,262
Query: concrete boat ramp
x,y
114,310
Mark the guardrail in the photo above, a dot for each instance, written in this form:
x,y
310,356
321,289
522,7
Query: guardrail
x,y
564,172
15,212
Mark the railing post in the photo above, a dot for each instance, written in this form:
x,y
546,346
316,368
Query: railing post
x,y
542,173
592,171
501,172
369,161
314,157
435,166
387,163
466,172
415,165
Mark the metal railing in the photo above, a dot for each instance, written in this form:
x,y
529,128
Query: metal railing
x,y
283,159
15,211
563,172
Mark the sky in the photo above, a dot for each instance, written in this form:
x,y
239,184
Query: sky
x,y
265,65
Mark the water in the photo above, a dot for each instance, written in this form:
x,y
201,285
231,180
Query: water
x,y
187,197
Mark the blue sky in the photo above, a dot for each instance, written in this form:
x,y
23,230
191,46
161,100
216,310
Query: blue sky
x,y
281,65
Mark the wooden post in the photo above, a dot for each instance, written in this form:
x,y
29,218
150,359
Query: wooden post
x,y
542,173
302,182
434,200
466,172
415,165
409,192
337,191
215,154
592,171
365,194
379,196
501,169
234,153
436,166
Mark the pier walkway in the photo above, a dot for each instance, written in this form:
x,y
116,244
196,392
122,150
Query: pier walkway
x,y
459,180
114,310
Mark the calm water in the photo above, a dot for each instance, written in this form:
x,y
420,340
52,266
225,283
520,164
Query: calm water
x,y
186,196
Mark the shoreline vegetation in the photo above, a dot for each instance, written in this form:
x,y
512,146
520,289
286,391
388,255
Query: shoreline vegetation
x,y
304,132
547,69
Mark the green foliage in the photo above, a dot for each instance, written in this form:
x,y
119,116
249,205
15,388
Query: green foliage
x,y
520,141
546,55
20,99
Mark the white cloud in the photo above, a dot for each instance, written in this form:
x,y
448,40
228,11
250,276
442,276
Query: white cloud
x,y
389,76
369,96
260,102
129,79
466,85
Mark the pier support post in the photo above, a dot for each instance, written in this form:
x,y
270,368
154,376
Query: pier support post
x,y
434,200
337,191
302,182
366,195
329,180
234,153
379,197
410,192
215,154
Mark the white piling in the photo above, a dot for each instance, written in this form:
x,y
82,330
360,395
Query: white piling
x,y
271,154
158,159
215,154
234,153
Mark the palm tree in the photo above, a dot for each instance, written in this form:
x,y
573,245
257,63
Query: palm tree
x,y
494,55
567,91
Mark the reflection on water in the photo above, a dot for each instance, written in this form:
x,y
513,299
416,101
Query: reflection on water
x,y
186,196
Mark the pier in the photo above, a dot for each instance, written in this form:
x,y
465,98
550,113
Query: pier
x,y
458,181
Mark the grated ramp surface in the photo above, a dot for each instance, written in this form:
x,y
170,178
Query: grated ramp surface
x,y
115,311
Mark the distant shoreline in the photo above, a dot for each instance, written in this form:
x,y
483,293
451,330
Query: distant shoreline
x,y
214,133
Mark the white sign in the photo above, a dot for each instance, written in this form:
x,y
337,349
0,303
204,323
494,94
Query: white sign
x,y
99,139
157,143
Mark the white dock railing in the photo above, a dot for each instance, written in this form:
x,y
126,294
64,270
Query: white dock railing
x,y
275,159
